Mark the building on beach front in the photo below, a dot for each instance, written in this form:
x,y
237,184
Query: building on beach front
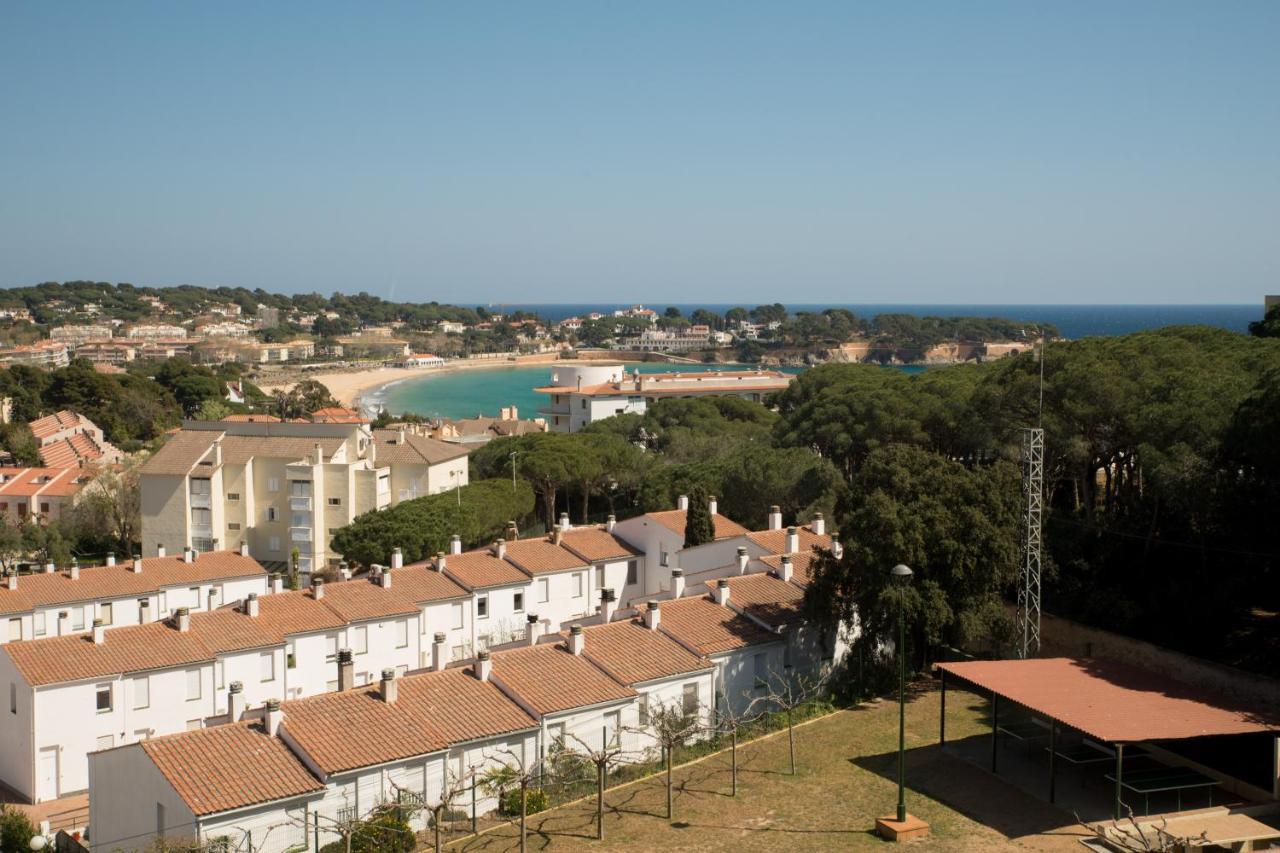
x,y
581,394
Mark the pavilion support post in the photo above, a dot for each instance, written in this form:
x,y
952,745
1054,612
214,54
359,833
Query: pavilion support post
x,y
1053,758
1119,778
942,714
995,729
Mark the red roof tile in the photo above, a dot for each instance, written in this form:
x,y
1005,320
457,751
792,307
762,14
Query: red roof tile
x,y
542,556
708,628
547,678
596,543
674,520
481,569
770,599
355,728
632,654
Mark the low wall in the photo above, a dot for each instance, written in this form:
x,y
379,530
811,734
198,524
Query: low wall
x,y
1061,637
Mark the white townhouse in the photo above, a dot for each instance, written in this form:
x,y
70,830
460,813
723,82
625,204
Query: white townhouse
x,y
659,536
567,694
445,609
286,780
561,580
616,565
499,598
381,625
54,603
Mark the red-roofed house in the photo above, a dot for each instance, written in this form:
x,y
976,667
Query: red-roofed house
x,y
69,440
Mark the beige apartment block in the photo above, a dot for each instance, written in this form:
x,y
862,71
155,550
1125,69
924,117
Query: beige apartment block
x,y
280,486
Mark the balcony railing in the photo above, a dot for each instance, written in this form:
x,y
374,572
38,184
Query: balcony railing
x,y
298,504
300,534
201,501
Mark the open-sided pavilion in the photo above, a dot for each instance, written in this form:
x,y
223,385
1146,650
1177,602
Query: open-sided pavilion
x,y
1107,706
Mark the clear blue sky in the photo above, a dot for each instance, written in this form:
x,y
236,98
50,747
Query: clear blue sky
x,y
684,151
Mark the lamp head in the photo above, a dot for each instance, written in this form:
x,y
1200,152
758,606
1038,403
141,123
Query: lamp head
x,y
900,575
38,842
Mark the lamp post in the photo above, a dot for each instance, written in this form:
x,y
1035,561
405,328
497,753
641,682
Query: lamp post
x,y
457,485
901,576
512,455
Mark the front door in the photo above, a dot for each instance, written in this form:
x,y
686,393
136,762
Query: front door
x,y
47,789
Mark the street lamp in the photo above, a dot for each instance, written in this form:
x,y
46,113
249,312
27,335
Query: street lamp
x,y
512,456
38,842
457,485
900,576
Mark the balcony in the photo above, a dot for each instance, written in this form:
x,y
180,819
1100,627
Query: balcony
x,y
201,501
300,534
300,504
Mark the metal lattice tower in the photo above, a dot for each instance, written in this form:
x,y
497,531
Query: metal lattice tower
x,y
1029,580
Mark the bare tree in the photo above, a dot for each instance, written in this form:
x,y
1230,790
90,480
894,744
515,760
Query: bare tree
x,y
1131,837
512,771
786,693
602,757
454,787
730,721
670,726
110,504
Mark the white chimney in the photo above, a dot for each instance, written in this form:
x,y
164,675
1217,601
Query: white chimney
x,y
184,619
712,504
400,436
344,570
144,611
388,688
397,558
786,572
274,717
500,549
484,666
564,521
50,568
251,604
137,564
99,632
455,544
793,541
775,518
188,555
319,454
608,605
819,524
12,580
534,630
837,550
677,583
160,550
438,656
277,583
722,592
217,453
75,569
611,522
346,671
682,502
244,548
111,559
653,616
440,561
743,559
577,640
64,623
317,588
384,579
235,701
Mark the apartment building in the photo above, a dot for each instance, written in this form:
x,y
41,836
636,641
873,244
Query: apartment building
x,y
156,331
77,335
70,440
46,354
281,486
581,394
108,352
39,494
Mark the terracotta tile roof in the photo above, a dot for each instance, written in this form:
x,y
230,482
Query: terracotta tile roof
x,y
480,569
1114,702
230,630
416,449
775,541
181,452
596,543
337,415
31,482
421,583
355,728
239,449
102,583
547,678
542,556
460,706
132,648
286,614
770,599
708,628
54,424
632,654
229,767
360,599
252,419
801,566
71,452
674,520
709,382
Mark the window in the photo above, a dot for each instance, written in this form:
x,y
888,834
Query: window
x,y
37,621
102,698
577,585
644,709
299,488
290,655
164,601
201,517
271,513
106,742
193,685
633,571
300,519
584,403
267,666
219,674
689,701
44,508
555,733
517,602
360,639
544,590
233,496
104,612
273,544
600,577
202,543
200,486
402,671
15,630
334,501
402,634
194,592
234,525
456,653
77,618
331,648
663,558
273,484
458,617
194,725
141,693
482,607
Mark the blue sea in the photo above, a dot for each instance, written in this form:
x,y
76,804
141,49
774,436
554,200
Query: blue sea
x,y
474,392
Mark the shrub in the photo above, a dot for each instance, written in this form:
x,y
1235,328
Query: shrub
x,y
535,801
17,830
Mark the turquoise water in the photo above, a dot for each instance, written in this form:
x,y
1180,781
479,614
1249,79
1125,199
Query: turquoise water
x,y
467,393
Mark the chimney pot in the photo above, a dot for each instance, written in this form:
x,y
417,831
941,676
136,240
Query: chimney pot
x,y
184,619
677,583
251,604
611,523
577,640
440,561
682,502
500,548
385,579
534,630
274,717
653,616
235,701
12,580
111,559
277,583
75,570
137,564
317,588
346,671
49,568
389,689
438,658
244,548
64,623
455,544
397,558
837,550
99,632
743,560
484,666
188,555
722,592
775,517
819,524
608,604
712,504
160,550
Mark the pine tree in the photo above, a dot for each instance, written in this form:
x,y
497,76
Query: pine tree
x,y
699,527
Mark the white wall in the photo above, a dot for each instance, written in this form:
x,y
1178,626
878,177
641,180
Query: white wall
x,y
17,734
127,786
736,675
503,622
568,596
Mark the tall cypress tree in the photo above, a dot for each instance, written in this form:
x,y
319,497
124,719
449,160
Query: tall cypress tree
x,y
699,527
